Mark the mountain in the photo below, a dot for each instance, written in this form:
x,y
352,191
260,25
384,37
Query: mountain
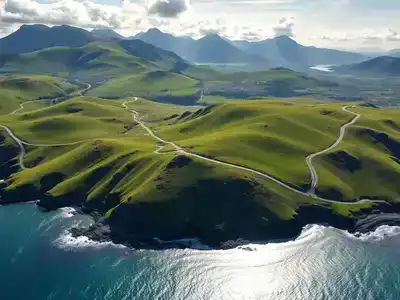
x,y
286,52
107,33
209,49
214,49
281,51
394,52
29,38
96,58
379,66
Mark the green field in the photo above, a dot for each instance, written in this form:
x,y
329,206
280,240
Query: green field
x,y
114,167
20,88
151,83
230,164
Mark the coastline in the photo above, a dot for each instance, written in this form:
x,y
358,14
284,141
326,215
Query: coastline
x,y
105,230
150,232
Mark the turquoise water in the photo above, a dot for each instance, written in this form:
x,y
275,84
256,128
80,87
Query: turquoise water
x,y
38,260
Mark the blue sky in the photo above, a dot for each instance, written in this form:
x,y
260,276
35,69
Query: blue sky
x,y
345,24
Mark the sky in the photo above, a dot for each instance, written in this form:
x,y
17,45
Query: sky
x,y
364,25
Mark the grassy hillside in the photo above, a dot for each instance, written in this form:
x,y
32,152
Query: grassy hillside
x,y
367,162
76,119
117,171
96,60
17,89
154,83
273,137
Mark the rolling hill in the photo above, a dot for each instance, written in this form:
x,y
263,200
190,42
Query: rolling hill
x,y
154,84
98,59
145,188
379,66
17,89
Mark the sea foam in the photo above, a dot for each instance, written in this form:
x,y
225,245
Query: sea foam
x,y
67,212
67,241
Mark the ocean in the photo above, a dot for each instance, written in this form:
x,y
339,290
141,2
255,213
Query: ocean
x,y
39,260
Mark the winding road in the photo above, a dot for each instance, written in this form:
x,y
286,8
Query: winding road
x,y
314,175
54,100
21,144
177,148
309,159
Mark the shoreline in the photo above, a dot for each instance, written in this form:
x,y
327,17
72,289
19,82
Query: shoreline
x,y
100,233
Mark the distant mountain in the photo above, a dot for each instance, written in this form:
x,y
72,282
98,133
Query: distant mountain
x,y
29,38
281,51
286,52
209,49
394,52
379,66
107,33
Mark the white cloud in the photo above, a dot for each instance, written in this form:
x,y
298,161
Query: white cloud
x,y
83,13
284,27
168,8
328,23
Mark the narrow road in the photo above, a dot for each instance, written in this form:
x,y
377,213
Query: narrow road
x,y
54,100
309,159
21,144
179,149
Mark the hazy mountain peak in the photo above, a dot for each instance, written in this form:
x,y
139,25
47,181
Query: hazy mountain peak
x,y
285,39
107,33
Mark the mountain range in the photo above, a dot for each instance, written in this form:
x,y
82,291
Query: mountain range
x,y
281,51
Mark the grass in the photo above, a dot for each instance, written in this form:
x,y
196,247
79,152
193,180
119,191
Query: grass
x,y
273,137
151,111
91,62
150,83
77,119
17,89
117,167
373,159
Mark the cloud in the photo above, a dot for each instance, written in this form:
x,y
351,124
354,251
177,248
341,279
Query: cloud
x,y
82,13
364,37
284,27
168,8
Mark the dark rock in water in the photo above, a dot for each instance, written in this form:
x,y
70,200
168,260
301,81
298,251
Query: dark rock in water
x,y
234,244
179,162
344,161
372,222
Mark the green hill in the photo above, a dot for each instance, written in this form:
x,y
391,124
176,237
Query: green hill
x,y
97,60
146,189
150,84
17,89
